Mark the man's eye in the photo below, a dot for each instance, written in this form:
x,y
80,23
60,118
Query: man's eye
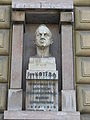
x,y
37,34
40,34
45,34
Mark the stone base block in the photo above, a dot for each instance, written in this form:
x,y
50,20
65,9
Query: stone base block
x,y
40,115
15,99
68,100
42,64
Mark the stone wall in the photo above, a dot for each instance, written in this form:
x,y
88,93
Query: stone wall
x,y
82,56
5,48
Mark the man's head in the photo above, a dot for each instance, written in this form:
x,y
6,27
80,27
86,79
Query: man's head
x,y
43,36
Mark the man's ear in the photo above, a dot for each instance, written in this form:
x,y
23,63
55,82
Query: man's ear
x,y
51,41
34,42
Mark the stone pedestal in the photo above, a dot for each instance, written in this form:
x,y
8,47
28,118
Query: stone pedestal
x,y
42,85
42,64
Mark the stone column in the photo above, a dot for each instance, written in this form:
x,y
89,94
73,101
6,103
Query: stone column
x,y
15,91
68,92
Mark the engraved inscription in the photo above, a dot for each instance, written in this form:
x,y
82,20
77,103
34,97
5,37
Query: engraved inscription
x,y
41,74
41,95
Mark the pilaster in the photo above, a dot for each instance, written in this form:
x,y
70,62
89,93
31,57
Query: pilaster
x,y
15,91
68,92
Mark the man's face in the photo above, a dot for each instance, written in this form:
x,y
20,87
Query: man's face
x,y
43,37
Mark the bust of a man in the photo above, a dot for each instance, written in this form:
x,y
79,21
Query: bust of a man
x,y
43,41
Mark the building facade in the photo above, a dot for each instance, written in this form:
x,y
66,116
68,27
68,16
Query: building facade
x,y
81,51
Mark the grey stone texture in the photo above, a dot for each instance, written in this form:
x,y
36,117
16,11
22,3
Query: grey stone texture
x,y
85,116
4,16
66,17
17,51
15,99
5,2
58,4
3,96
40,115
1,116
42,63
67,58
68,100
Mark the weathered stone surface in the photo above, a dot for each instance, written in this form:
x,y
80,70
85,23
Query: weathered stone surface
x,y
68,100
42,64
3,68
3,96
67,57
83,98
82,2
18,16
85,116
16,65
4,41
82,39
83,69
58,4
66,17
82,18
15,99
42,95
5,2
40,115
4,16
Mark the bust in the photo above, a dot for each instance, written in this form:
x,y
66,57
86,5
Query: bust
x,y
42,60
43,40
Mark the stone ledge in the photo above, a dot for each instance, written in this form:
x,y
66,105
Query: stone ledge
x,y
46,4
34,115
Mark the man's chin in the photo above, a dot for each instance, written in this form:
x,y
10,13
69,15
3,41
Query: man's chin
x,y
42,45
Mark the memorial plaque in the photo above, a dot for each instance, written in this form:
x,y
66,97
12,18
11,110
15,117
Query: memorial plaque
x,y
42,95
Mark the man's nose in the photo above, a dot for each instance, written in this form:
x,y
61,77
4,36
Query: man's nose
x,y
42,36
